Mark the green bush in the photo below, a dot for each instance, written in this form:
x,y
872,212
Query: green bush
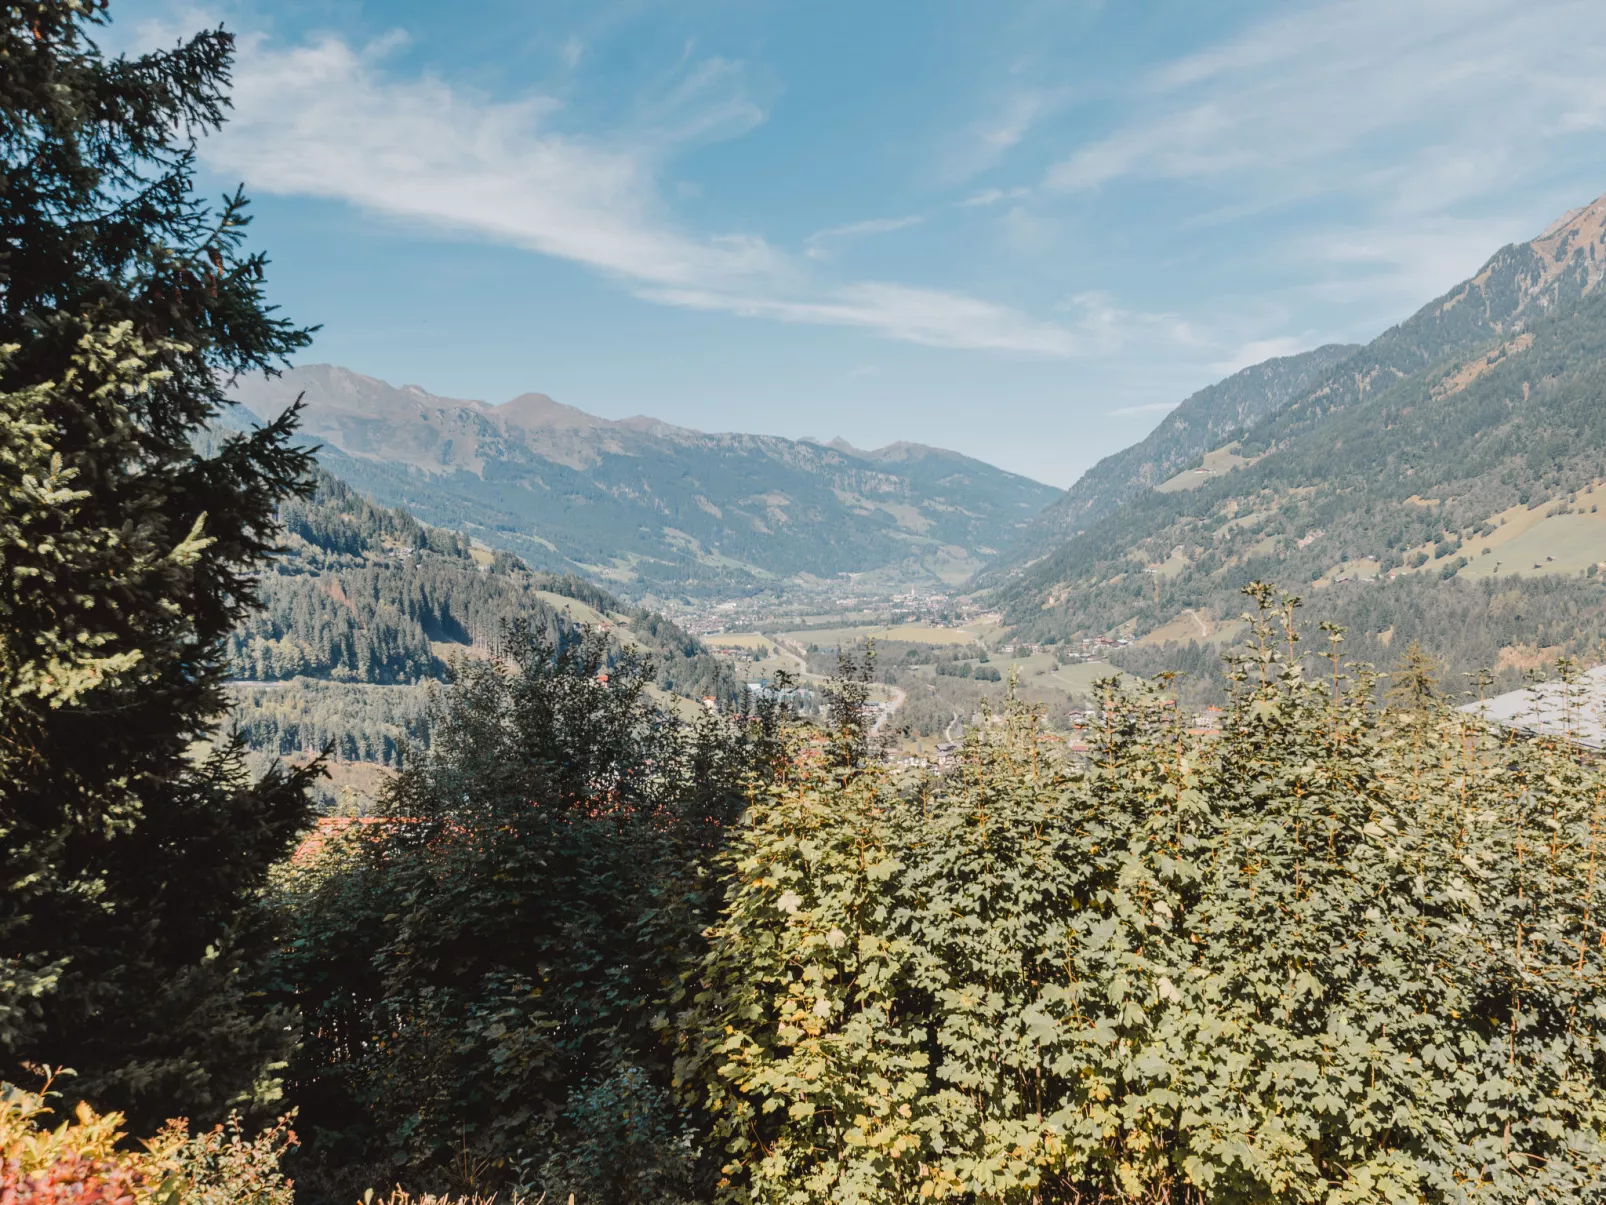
x,y
481,973
1336,954
1339,951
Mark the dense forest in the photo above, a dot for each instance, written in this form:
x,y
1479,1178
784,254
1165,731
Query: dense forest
x,y
1492,635
359,597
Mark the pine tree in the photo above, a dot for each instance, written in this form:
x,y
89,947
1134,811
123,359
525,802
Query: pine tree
x,y
128,860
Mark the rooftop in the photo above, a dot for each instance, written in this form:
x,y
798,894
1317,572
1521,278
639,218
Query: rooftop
x,y
1575,712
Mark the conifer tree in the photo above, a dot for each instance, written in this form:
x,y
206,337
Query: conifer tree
x,y
128,859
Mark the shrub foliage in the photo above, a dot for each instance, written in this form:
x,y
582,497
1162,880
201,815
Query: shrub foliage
x,y
1336,954
481,973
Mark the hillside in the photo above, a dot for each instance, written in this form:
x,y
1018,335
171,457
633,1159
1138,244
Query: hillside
x,y
365,607
1464,447
1204,421
649,506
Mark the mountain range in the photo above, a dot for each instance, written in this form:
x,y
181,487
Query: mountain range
x,y
647,506
1200,423
1445,473
1437,484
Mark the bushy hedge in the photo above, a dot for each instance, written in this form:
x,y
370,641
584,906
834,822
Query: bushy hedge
x,y
1337,952
1332,955
481,973
85,1159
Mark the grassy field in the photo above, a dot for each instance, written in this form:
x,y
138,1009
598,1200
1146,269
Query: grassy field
x,y
1040,672
984,629
678,705
1365,568
1172,566
1524,540
1576,541
578,611
770,657
1221,460
1079,679
1194,625
737,640
914,633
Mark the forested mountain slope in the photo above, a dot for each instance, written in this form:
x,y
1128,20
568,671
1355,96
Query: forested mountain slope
x,y
1204,421
1466,443
365,606
649,505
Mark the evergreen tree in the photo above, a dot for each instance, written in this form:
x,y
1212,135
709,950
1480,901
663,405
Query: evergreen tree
x,y
128,860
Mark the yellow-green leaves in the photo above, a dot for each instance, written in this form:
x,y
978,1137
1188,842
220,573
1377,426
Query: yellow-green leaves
x,y
1310,960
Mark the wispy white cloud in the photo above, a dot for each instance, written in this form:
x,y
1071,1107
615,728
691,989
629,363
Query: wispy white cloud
x,y
983,143
1256,351
1094,326
926,316
1294,100
1392,119
991,196
323,120
1114,328
327,119
820,244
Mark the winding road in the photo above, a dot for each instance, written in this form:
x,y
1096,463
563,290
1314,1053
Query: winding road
x,y
899,697
797,653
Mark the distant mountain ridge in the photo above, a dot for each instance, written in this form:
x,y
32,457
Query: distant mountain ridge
x,y
1267,403
1203,421
1466,445
648,505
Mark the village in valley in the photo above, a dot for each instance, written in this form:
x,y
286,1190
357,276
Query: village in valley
x,y
941,663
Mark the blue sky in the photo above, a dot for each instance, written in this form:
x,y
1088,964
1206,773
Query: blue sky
x,y
1018,230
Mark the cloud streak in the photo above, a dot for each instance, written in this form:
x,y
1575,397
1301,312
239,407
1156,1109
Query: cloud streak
x,y
926,316
325,119
321,120
1149,408
819,244
1401,128
1292,102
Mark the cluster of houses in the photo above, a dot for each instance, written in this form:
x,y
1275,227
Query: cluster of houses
x,y
1091,646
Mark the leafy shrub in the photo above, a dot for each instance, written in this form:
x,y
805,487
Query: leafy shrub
x,y
75,1162
479,971
1335,954
225,1165
85,1160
